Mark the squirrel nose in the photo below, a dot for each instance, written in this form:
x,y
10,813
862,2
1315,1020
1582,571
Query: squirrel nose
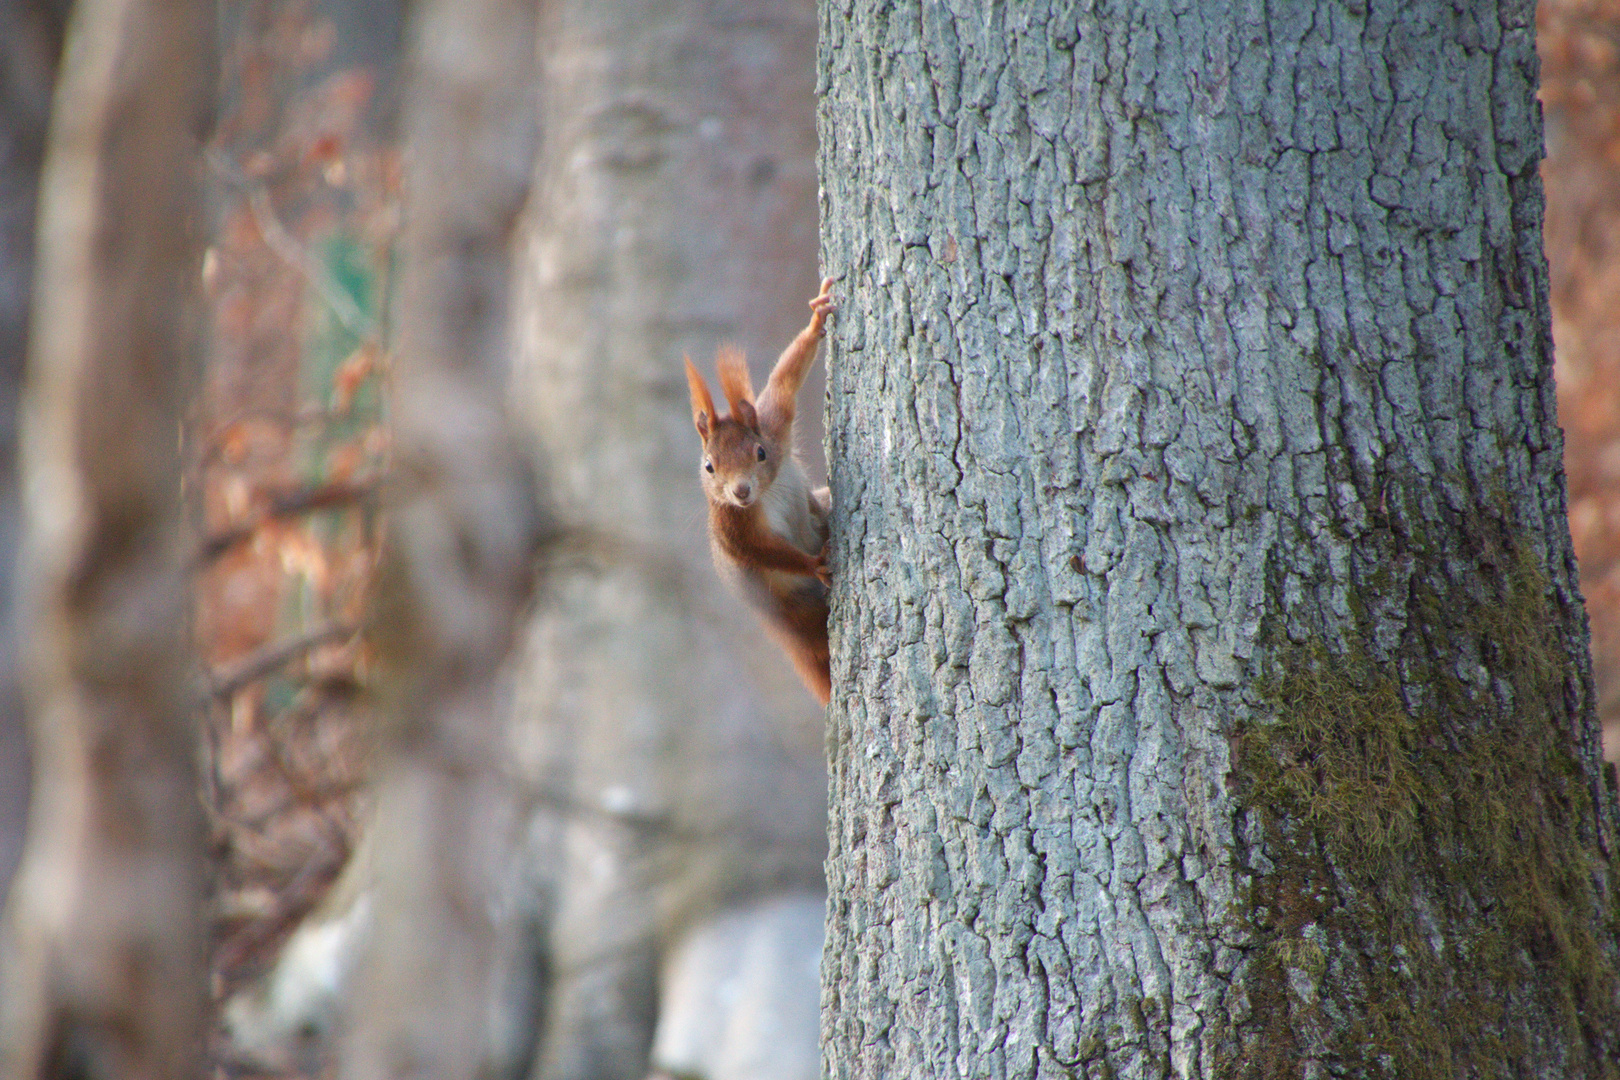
x,y
742,491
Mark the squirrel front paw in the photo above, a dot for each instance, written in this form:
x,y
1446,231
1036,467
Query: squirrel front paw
x,y
823,571
821,305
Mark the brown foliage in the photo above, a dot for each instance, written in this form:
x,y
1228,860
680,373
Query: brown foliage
x,y
1579,43
288,451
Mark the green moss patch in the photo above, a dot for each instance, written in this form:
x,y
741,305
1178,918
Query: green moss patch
x,y
1429,869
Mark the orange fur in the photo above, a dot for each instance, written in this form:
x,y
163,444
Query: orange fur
x,y
735,382
750,471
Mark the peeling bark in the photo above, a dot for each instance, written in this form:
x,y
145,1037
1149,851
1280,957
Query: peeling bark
x,y
1211,685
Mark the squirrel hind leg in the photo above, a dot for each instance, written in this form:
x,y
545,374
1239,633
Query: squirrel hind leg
x,y
801,631
819,681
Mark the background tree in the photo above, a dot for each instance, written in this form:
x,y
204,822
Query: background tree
x,y
1212,686
464,530
103,946
1580,91
30,47
675,761
735,904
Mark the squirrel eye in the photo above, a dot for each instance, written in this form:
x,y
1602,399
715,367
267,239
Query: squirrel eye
x,y
708,466
760,453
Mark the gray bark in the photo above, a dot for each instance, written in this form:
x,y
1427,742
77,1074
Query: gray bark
x,y
675,759
101,971
30,47
464,531
1211,689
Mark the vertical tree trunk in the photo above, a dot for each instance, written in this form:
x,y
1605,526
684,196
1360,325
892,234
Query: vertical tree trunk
x,y
1211,687
30,47
463,535
677,760
102,959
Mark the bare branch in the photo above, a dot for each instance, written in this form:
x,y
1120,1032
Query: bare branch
x,y
255,666
288,248
303,500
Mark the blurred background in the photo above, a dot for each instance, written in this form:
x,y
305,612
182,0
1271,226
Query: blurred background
x,y
1579,43
660,802
495,778
660,816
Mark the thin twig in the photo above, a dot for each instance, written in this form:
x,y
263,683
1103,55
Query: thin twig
x,y
287,246
327,496
292,252
222,684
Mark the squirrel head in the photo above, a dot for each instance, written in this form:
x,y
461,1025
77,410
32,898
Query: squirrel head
x,y
739,463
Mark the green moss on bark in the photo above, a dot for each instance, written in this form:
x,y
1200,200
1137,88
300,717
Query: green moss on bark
x,y
1429,872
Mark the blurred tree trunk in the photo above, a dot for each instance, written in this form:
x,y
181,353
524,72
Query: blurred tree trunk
x,y
30,48
677,761
102,954
1211,686
464,529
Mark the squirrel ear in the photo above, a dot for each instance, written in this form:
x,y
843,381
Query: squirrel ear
x,y
734,380
702,403
743,410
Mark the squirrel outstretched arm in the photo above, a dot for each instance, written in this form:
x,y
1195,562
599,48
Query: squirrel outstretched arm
x,y
767,529
778,404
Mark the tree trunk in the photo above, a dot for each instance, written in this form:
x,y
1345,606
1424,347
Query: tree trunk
x,y
103,951
1211,688
30,47
464,529
676,760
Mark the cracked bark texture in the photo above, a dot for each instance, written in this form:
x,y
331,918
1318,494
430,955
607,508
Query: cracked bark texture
x,y
101,963
676,764
1211,686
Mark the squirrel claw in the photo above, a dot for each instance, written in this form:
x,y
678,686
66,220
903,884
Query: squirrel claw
x,y
823,571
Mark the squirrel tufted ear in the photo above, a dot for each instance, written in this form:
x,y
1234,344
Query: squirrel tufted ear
x,y
702,403
735,383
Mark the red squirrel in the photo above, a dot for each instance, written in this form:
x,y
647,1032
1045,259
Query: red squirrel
x,y
767,529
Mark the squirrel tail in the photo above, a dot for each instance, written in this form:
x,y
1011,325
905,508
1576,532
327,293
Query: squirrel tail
x,y
810,659
798,623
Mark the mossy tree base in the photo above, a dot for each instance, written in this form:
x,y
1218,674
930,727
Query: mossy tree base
x,y
1429,854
